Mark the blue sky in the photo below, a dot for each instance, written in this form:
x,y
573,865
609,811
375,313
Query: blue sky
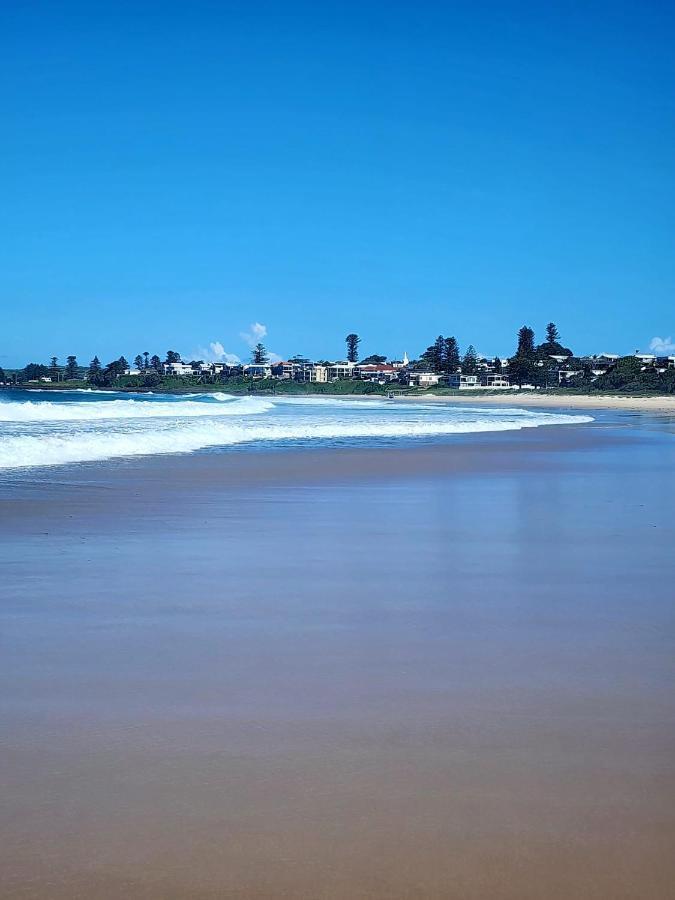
x,y
173,173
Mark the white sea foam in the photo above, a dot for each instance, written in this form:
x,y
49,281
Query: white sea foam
x,y
365,404
71,391
195,398
48,449
45,411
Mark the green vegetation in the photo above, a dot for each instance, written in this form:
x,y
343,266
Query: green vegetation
x,y
522,367
71,370
442,356
470,361
548,366
627,377
109,376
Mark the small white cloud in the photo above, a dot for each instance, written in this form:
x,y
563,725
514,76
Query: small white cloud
x,y
254,335
662,346
215,352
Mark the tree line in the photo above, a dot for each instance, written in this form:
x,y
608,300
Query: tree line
x,y
96,373
529,364
443,356
534,363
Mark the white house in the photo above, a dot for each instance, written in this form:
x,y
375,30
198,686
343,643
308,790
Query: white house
x,y
177,368
424,379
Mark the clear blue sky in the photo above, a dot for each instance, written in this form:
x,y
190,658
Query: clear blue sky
x,y
173,172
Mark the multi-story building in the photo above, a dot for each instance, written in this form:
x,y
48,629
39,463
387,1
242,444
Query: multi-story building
x,y
462,382
254,370
287,371
313,372
495,381
341,370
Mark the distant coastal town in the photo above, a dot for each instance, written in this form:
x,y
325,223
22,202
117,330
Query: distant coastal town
x,y
548,365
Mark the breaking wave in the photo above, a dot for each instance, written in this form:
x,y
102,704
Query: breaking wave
x,y
46,411
67,446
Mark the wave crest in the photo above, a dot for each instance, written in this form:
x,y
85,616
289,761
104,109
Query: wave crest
x,y
19,451
45,411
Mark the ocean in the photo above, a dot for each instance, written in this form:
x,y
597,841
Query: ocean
x,y
44,428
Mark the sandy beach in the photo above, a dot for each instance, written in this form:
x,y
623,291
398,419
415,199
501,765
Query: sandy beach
x,y
664,405
439,672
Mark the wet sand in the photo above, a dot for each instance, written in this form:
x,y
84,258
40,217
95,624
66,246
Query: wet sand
x,y
438,672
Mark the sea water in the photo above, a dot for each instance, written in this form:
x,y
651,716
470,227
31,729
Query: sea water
x,y
45,428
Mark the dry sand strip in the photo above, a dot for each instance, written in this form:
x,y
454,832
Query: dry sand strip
x,y
654,405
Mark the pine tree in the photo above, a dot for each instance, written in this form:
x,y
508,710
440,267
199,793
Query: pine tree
x,y
95,371
71,368
525,342
138,362
352,341
552,335
146,358
470,361
522,366
433,357
156,363
259,355
552,345
450,355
